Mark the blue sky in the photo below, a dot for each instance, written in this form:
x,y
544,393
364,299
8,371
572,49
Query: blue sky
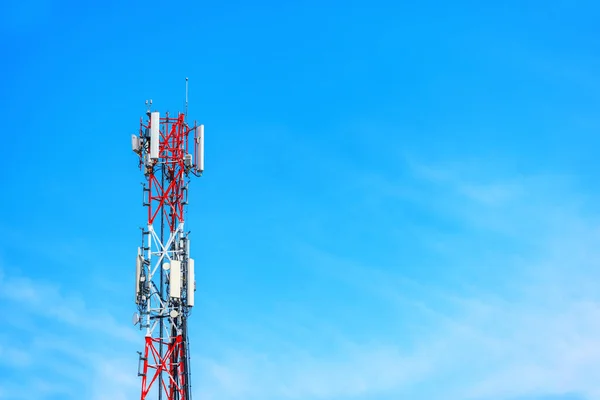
x,y
399,200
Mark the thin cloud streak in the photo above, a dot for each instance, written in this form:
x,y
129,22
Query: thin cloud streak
x,y
540,338
51,302
361,370
536,339
72,350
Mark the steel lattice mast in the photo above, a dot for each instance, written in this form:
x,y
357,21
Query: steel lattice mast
x,y
164,283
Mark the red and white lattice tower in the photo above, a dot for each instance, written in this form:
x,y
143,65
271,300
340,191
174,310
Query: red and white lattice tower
x,y
164,281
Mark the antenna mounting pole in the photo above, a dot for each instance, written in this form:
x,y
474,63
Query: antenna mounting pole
x,y
186,97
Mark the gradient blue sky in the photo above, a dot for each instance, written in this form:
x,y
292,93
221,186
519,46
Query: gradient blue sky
x,y
400,201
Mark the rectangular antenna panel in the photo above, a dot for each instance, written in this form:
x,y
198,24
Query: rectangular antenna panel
x,y
135,143
154,134
175,280
200,148
191,283
138,273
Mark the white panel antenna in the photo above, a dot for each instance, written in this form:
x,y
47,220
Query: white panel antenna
x,y
191,283
175,280
154,134
200,148
135,143
138,273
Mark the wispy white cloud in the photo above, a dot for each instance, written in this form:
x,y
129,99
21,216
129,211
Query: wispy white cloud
x,y
60,346
114,379
541,337
356,370
530,333
50,301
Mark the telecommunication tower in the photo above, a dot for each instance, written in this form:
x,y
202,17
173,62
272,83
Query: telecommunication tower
x,y
164,276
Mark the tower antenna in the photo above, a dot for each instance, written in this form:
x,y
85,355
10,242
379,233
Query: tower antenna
x,y
165,282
